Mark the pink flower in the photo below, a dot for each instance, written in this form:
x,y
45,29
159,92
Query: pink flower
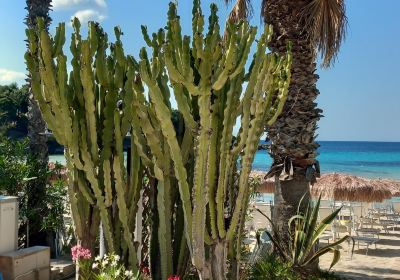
x,y
80,253
174,277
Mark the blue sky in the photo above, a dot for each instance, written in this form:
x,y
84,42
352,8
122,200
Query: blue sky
x,y
360,94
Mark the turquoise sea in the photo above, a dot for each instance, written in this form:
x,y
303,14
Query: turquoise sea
x,y
367,159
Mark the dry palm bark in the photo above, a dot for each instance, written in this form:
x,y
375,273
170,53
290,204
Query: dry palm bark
x,y
37,136
312,26
293,147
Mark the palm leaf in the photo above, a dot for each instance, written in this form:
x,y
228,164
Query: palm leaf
x,y
242,9
326,22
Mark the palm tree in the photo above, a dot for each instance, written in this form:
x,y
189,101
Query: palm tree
x,y
312,26
36,133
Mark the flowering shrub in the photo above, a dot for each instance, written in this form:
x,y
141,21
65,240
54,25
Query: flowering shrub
x,y
109,268
174,277
80,253
106,268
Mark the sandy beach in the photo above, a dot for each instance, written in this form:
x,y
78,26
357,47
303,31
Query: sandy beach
x,y
380,263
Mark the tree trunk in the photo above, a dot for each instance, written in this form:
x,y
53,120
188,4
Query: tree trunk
x,y
215,265
37,137
287,197
38,161
293,135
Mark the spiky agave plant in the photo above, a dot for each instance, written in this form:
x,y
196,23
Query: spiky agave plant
x,y
304,233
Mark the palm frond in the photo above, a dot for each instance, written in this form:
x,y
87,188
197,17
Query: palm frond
x,y
326,22
242,9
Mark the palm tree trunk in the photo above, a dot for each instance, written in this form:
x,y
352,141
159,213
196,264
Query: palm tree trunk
x,y
293,135
38,140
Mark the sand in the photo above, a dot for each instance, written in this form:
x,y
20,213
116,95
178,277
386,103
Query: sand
x,y
380,263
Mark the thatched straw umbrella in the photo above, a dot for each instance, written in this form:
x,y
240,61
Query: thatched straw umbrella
x,y
264,185
392,185
350,188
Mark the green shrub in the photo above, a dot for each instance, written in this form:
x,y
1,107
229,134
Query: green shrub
x,y
270,267
16,170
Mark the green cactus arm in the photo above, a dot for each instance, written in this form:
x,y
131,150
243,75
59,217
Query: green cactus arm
x,y
258,60
36,87
183,106
225,162
198,39
140,142
164,227
64,91
249,39
75,49
72,197
48,68
164,116
213,164
123,212
175,75
73,147
82,186
93,180
89,97
283,87
187,146
59,39
243,180
201,169
200,182
255,131
102,73
127,103
228,65
186,57
135,180
146,36
108,199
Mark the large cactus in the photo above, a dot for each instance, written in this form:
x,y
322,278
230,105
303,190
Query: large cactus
x,y
89,111
191,156
212,89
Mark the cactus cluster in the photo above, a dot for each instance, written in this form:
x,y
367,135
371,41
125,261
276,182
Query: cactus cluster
x,y
89,111
197,165
212,89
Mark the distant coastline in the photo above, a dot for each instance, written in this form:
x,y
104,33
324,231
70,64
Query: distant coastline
x,y
361,158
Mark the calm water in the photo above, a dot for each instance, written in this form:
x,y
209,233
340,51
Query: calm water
x,y
367,159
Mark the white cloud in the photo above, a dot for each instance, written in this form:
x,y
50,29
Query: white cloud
x,y
88,15
101,3
9,76
65,4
